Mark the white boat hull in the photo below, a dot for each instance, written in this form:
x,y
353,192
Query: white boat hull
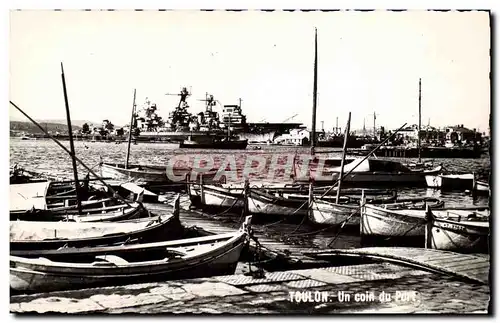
x,y
44,275
324,213
218,198
446,235
133,175
378,222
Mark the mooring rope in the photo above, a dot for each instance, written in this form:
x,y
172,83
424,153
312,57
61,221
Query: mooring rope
x,y
341,227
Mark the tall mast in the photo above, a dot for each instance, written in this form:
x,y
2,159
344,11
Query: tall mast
x,y
344,152
315,90
419,114
374,128
71,144
130,132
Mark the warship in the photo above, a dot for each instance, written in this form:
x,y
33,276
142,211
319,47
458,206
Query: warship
x,y
182,125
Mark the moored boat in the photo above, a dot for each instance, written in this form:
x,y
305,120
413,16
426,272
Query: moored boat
x,y
325,212
105,266
465,234
450,182
365,173
140,174
28,235
41,202
397,221
328,213
260,202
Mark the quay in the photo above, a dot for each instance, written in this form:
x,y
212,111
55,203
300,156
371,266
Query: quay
x,y
372,288
387,280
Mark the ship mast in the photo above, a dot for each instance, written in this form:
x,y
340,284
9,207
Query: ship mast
x,y
71,144
315,90
419,116
130,132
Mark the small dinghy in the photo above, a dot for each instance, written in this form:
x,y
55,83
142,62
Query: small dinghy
x,y
28,235
111,266
48,201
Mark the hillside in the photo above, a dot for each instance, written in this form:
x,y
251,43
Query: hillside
x,y
30,128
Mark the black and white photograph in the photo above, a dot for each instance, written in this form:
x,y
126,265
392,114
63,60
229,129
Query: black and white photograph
x,y
250,162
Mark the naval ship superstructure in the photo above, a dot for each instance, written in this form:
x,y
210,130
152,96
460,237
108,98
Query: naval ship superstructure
x,y
181,123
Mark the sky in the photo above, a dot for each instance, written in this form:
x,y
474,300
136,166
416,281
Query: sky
x,y
367,62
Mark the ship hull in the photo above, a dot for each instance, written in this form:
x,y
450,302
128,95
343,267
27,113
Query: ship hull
x,y
427,152
237,144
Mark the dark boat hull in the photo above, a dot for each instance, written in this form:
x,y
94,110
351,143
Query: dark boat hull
x,y
426,152
169,229
39,276
235,144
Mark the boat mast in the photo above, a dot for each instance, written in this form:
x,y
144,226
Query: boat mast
x,y
130,131
374,128
344,152
71,144
315,90
229,126
419,115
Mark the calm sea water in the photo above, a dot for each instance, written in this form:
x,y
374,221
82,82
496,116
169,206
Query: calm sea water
x,y
44,156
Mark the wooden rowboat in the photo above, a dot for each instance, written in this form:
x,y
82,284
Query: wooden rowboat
x,y
481,188
27,235
48,201
105,266
215,196
463,234
328,213
150,174
396,221
260,202
139,174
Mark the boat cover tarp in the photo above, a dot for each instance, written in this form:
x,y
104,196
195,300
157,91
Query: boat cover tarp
x,y
33,231
24,197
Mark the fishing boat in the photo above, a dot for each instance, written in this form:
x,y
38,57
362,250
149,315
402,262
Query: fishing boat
x,y
400,221
259,201
27,235
47,201
214,196
209,142
263,203
150,175
117,265
462,234
328,213
343,199
139,174
451,181
365,173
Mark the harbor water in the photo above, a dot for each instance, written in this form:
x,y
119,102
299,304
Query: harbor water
x,y
44,156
